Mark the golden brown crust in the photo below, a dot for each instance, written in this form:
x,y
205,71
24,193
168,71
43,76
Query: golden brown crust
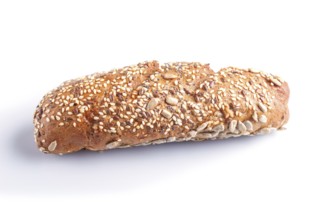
x,y
151,104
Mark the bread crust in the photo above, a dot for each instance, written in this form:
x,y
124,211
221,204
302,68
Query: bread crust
x,y
149,103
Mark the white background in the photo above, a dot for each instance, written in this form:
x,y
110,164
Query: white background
x,y
284,175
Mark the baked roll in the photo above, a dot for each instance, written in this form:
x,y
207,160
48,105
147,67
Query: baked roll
x,y
149,103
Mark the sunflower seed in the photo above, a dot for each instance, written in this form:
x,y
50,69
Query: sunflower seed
x,y
204,135
192,133
152,103
124,146
266,130
253,70
202,126
219,128
263,119
171,139
255,117
232,126
159,141
276,81
52,146
241,127
171,100
112,145
166,113
189,89
248,125
169,76
262,107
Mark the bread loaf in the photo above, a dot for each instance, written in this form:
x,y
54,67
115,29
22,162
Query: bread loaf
x,y
149,103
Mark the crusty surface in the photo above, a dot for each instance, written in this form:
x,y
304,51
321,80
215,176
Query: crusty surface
x,y
149,103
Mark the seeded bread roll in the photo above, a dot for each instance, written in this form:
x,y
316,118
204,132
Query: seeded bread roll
x,y
152,104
